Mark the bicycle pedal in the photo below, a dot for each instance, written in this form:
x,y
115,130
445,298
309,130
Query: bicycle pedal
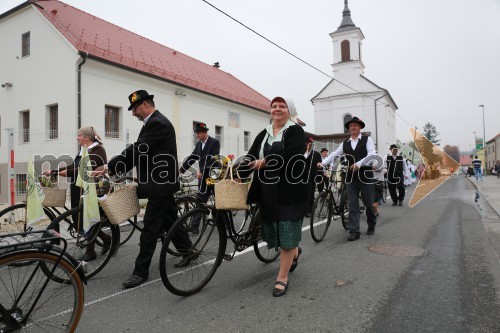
x,y
228,257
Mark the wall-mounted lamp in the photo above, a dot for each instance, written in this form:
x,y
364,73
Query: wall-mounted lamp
x,y
180,93
7,85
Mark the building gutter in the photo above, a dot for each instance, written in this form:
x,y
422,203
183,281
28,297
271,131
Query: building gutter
x,y
376,120
84,56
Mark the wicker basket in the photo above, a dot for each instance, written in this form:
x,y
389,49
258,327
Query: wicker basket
x,y
231,195
121,205
54,197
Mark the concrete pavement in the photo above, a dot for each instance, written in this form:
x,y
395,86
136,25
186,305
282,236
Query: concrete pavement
x,y
489,189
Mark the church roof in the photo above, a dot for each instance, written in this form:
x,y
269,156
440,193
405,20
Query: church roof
x,y
109,43
347,23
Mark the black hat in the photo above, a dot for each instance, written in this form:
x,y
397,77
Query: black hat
x,y
138,97
201,127
355,120
393,146
323,149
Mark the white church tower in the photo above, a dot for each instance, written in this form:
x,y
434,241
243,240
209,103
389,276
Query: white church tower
x,y
351,94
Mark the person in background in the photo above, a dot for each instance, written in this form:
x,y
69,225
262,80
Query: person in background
x,y
358,151
379,172
276,155
478,171
204,152
312,159
396,174
87,138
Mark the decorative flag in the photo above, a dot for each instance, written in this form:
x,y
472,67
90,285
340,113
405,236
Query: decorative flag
x,y
90,205
35,196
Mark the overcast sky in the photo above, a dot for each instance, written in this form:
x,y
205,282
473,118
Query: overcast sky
x,y
439,59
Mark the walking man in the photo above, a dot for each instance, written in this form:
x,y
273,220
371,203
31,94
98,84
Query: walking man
x,y
154,155
478,171
397,171
359,151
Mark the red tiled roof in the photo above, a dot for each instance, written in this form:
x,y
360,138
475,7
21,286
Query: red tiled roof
x,y
111,43
465,160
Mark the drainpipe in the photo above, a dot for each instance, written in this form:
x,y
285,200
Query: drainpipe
x,y
84,56
376,122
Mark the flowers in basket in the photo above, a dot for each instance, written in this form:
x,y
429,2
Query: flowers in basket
x,y
47,181
219,170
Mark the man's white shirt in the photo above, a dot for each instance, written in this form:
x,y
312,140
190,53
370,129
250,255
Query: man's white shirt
x,y
370,148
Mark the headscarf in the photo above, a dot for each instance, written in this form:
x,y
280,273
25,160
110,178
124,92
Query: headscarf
x,y
291,107
90,133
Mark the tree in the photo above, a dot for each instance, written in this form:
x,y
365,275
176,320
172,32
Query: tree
x,y
431,133
453,151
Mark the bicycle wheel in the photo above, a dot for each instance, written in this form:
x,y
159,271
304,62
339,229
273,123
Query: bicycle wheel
x,y
260,248
188,275
344,208
321,216
13,219
79,241
60,305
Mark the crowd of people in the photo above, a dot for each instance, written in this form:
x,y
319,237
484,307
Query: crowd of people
x,y
283,203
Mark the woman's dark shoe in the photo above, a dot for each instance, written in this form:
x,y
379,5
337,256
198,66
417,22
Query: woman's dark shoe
x,y
277,292
295,261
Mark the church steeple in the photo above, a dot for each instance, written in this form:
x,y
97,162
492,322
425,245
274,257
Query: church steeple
x,y
347,42
347,22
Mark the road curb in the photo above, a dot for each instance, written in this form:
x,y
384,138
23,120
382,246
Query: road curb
x,y
490,202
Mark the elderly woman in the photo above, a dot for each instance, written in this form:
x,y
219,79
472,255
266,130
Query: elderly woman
x,y
86,137
279,186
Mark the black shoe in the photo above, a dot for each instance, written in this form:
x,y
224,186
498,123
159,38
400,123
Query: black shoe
x,y
134,281
88,256
394,203
371,230
401,203
277,292
308,214
295,261
353,237
194,230
186,259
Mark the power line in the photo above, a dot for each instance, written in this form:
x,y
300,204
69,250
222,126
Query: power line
x,y
290,53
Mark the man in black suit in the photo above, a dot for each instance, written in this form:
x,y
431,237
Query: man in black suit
x,y
204,151
397,171
312,160
154,155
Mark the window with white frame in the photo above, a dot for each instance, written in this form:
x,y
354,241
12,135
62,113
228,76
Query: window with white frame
x,y
53,121
347,117
246,140
219,135
112,122
26,43
20,184
24,126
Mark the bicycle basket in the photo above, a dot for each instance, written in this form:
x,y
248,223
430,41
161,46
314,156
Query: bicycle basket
x,y
54,197
121,205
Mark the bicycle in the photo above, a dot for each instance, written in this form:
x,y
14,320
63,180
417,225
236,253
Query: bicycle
x,y
42,285
208,249
331,203
185,200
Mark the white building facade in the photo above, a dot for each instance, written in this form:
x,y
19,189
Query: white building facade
x,y
54,81
351,94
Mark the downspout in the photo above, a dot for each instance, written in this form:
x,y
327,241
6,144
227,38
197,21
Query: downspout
x,y
84,56
376,121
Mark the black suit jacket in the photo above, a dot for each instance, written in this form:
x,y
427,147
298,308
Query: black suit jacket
x,y
154,155
312,165
203,156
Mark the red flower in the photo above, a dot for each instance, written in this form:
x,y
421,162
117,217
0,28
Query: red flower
x,y
230,156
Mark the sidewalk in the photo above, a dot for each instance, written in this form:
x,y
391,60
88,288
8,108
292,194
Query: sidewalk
x,y
489,188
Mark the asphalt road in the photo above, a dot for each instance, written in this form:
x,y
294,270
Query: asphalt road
x,y
338,286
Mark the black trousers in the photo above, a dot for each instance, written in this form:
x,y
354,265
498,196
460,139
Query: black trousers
x,y
396,188
161,213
